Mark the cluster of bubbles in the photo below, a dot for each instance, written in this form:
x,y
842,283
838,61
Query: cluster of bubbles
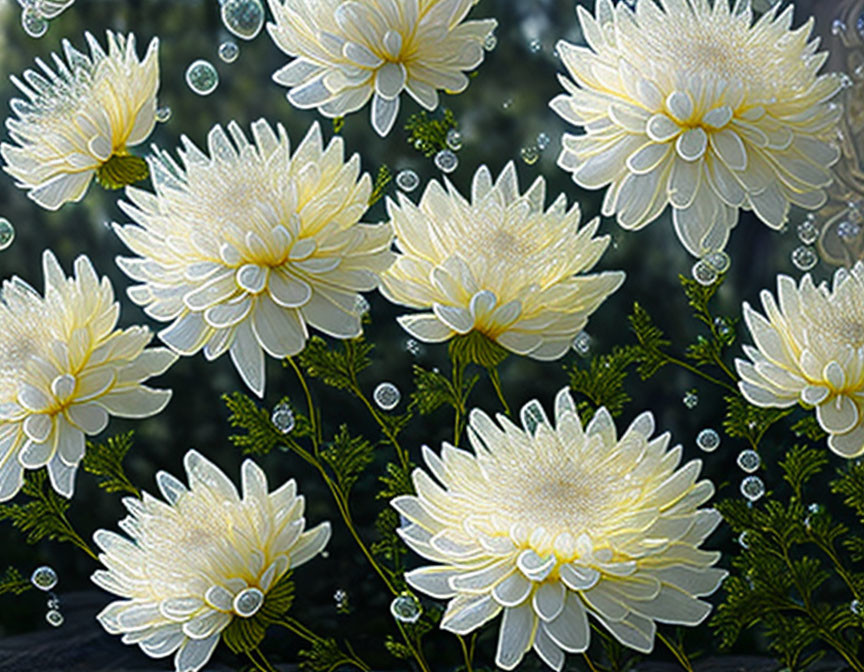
x,y
531,153
690,398
361,306
804,257
33,20
708,440
413,347
340,597
387,396
582,344
708,268
283,418
406,608
7,233
45,579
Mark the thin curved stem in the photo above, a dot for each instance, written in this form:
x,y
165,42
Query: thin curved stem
x,y
312,419
403,456
680,656
496,383
264,664
466,656
415,651
700,373
589,662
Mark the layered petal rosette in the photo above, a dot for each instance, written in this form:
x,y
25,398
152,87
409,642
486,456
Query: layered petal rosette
x,y
548,526
809,348
80,118
348,52
65,368
693,104
244,249
500,264
200,559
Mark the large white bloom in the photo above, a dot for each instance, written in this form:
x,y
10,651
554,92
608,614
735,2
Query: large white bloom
x,y
206,557
80,120
64,368
346,52
693,105
550,525
810,349
500,264
242,250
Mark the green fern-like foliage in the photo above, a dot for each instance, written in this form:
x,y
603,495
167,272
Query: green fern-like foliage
x,y
432,390
651,355
43,516
808,428
348,457
428,134
259,435
245,634
12,582
338,366
602,382
323,655
746,421
382,181
105,461
784,579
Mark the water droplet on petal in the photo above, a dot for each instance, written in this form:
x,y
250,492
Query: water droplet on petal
x,y
248,602
719,261
54,618
804,257
7,233
202,77
407,180
229,51
283,418
405,608
446,161
752,488
708,440
387,396
490,42
44,578
244,18
749,460
361,305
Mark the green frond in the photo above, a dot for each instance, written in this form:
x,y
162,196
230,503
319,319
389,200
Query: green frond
x,y
602,383
808,428
746,421
800,465
323,655
338,366
397,481
348,457
476,348
13,582
651,340
259,435
105,461
428,135
382,180
433,390
850,484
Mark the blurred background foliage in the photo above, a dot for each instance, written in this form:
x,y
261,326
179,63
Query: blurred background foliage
x,y
503,110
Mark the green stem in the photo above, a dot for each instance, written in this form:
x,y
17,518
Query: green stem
x,y
692,369
680,656
415,651
303,632
264,664
310,406
458,378
496,383
588,662
465,654
402,454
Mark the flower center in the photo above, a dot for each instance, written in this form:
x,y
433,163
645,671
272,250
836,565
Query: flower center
x,y
121,169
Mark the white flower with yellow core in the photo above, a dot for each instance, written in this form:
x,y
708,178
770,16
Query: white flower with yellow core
x,y
244,249
499,265
65,367
80,120
810,349
346,52
548,525
206,557
694,105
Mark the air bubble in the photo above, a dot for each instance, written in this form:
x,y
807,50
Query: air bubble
x,y
804,258
543,141
54,618
244,18
690,399
855,607
848,230
446,161
7,233
407,180
535,46
202,77
708,440
387,396
719,261
413,347
283,418
490,42
405,608
44,578
33,23
752,488
749,460
229,51
248,602
163,114
807,231
742,540
703,273
454,139
582,344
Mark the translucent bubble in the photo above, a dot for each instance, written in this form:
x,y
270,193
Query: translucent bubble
x,y
804,257
54,618
229,51
838,27
202,77
507,104
848,230
752,488
243,18
7,233
387,396
855,607
53,603
530,154
340,596
719,261
163,114
446,161
405,608
807,231
690,399
454,139
413,347
722,326
407,180
543,141
44,578
742,540
582,343
749,460
490,42
814,508
33,23
535,46
708,440
703,273
283,418
248,602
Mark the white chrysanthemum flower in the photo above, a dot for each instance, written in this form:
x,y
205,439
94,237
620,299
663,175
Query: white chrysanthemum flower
x,y
347,52
206,557
810,349
550,525
500,265
80,120
64,368
689,105
242,250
